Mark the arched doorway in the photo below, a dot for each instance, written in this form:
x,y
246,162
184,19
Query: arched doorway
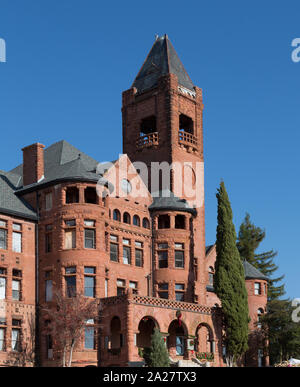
x,y
204,339
146,329
115,333
177,338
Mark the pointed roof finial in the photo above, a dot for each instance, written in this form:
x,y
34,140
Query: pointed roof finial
x,y
156,37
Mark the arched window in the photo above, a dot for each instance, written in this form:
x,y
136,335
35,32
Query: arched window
x,y
136,221
117,215
146,223
126,218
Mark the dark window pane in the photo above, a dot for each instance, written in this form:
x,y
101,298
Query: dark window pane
x,y
126,255
89,270
179,259
139,258
114,252
70,286
89,239
3,239
179,296
162,259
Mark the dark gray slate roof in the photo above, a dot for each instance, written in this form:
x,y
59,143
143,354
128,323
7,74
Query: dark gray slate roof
x,y
9,203
161,60
166,200
252,273
64,162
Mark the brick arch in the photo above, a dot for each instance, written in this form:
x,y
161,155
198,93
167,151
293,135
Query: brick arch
x,y
204,338
145,330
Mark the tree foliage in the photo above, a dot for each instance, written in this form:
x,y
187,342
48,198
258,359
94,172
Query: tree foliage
x,y
229,282
158,354
67,319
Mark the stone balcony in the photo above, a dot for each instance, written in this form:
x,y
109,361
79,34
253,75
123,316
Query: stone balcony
x,y
188,140
147,140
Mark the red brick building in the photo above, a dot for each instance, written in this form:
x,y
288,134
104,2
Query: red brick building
x,y
143,255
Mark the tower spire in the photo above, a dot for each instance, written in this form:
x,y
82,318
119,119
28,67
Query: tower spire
x,y
161,60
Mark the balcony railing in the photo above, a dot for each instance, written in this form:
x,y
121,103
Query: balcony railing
x,y
147,140
187,138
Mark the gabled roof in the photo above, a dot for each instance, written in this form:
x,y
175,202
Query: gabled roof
x,y
9,203
161,60
252,273
166,200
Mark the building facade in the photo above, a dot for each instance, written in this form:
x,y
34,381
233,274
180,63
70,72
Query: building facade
x,y
135,243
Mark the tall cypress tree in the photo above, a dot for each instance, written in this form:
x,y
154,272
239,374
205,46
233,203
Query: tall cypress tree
x,y
158,356
229,282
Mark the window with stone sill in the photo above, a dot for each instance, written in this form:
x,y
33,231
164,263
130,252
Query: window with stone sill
x,y
90,281
121,287
3,234
16,335
134,286
70,281
17,238
48,238
90,235
70,234
179,255
179,292
126,252
139,254
257,288
163,290
3,283
2,333
89,335
114,248
16,285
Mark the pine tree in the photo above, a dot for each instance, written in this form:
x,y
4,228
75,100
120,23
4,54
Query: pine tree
x,y
158,356
249,239
229,282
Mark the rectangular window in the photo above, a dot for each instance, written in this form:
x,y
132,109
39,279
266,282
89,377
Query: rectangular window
x,y
162,259
179,292
70,239
48,201
3,282
16,290
89,282
3,223
89,238
48,296
48,238
3,239
179,255
2,339
70,281
120,287
89,335
138,257
89,223
106,288
114,252
17,242
15,340
133,285
126,255
163,290
257,289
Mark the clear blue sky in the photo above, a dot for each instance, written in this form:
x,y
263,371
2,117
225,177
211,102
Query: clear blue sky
x,y
69,60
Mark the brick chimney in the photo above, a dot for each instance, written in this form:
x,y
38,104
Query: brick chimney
x,y
33,163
